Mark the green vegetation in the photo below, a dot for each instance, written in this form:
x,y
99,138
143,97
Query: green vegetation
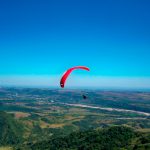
x,y
6,148
113,138
11,131
39,119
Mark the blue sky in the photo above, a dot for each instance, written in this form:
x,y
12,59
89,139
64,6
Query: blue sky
x,y
40,38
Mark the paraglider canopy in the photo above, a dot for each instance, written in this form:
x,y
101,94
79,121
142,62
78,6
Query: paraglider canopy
x,y
67,73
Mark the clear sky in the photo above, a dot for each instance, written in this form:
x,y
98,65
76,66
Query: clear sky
x,y
42,38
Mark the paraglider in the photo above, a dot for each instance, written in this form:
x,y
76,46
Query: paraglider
x,y
84,96
67,73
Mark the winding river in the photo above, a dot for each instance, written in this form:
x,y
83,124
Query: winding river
x,y
108,109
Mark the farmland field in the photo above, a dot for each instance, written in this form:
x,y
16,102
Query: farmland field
x,y
47,113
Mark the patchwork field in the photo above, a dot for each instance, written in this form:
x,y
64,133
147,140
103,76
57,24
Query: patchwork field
x,y
46,113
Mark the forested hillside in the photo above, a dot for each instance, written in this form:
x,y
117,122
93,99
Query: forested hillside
x,y
44,119
113,138
11,131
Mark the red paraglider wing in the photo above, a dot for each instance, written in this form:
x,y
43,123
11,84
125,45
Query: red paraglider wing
x,y
67,73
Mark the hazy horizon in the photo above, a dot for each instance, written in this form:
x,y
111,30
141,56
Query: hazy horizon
x,y
75,81
39,40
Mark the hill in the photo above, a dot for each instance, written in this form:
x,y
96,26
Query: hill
x,y
113,138
11,131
